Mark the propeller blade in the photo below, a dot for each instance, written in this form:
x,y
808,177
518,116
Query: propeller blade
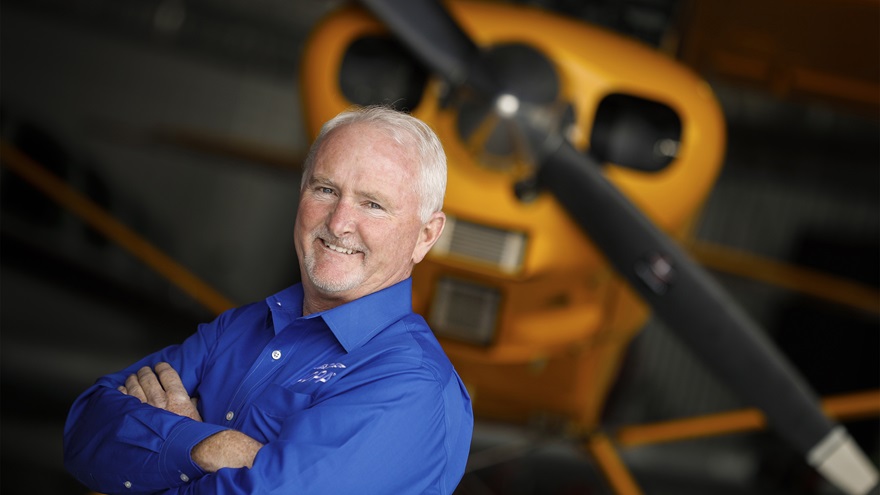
x,y
688,300
431,33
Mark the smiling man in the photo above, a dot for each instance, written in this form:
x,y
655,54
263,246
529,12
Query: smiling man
x,y
333,385
360,225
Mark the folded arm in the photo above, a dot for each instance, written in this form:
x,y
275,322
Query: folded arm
x,y
119,443
391,437
163,389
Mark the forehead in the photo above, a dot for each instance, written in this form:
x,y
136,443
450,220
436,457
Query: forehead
x,y
362,146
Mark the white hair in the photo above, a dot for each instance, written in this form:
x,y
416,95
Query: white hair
x,y
407,131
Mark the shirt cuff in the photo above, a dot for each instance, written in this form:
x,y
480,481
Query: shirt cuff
x,y
175,459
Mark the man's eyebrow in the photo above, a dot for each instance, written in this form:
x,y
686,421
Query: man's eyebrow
x,y
374,198
317,179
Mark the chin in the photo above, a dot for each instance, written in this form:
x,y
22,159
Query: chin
x,y
333,285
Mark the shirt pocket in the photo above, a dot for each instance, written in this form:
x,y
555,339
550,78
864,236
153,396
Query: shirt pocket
x,y
275,405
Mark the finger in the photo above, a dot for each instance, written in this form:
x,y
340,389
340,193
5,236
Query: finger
x,y
170,381
122,389
179,400
134,388
152,389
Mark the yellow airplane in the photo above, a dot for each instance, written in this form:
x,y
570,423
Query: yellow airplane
x,y
575,158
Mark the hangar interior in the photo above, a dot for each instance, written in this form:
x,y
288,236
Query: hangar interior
x,y
89,87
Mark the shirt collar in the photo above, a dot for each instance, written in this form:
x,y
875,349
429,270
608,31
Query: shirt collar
x,y
353,323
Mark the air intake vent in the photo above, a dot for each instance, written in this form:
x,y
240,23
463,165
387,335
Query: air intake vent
x,y
502,249
464,311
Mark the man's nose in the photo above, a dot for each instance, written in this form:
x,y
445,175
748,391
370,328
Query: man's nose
x,y
342,219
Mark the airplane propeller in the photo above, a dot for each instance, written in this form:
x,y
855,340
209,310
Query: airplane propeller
x,y
525,117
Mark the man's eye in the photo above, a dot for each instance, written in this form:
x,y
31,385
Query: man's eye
x,y
325,190
374,205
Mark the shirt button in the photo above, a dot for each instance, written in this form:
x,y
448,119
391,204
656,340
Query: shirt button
x,y
276,354
230,415
127,484
184,477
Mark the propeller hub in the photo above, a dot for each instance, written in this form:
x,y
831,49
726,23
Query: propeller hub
x,y
491,124
507,105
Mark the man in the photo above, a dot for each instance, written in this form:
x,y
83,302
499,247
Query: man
x,y
332,386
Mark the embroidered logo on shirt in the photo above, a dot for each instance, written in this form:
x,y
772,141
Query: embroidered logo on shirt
x,y
321,374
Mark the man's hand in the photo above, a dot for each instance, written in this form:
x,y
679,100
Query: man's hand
x,y
228,448
162,389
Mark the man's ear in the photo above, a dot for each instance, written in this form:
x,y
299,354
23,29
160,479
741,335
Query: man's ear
x,y
429,234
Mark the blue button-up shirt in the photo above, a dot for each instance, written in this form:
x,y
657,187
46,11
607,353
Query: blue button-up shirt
x,y
358,399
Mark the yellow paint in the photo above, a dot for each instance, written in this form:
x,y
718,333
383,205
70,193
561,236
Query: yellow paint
x,y
565,319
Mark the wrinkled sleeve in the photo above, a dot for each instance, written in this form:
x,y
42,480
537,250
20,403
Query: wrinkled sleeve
x,y
115,444
404,433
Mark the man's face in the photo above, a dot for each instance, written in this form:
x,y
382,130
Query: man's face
x,y
357,227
